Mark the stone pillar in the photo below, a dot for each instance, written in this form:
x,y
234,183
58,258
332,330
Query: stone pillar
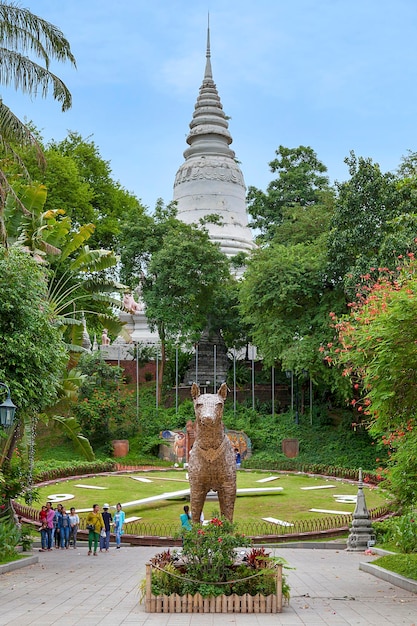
x,y
361,534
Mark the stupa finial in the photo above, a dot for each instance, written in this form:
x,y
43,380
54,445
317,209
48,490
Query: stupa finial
x,y
208,73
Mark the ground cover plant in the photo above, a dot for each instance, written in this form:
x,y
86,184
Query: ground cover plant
x,y
403,564
292,503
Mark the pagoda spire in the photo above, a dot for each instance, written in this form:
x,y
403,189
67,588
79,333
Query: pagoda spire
x,y
210,182
208,74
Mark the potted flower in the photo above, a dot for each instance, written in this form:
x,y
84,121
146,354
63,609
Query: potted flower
x,y
214,573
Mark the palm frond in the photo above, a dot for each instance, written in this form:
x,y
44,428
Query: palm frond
x,y
73,430
78,238
94,260
30,77
21,28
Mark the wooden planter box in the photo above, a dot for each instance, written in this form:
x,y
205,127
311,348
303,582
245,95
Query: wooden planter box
x,y
175,603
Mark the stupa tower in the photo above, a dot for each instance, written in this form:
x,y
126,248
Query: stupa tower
x,y
210,180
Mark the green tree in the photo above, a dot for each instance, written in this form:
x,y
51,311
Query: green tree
x,y
32,353
179,269
91,195
285,298
301,186
28,45
363,228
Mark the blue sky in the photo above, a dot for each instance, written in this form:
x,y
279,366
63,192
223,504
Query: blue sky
x,y
331,74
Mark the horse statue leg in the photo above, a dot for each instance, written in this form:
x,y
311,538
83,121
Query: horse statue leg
x,y
198,497
227,503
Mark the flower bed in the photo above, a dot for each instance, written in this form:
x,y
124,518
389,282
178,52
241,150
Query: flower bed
x,y
189,603
213,574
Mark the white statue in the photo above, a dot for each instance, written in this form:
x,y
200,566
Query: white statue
x,y
130,304
105,340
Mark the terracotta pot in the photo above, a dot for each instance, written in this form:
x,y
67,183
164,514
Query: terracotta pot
x,y
120,447
290,447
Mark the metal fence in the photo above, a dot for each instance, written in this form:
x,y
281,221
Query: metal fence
x,y
329,525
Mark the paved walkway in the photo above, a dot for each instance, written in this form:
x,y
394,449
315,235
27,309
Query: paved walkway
x,y
69,588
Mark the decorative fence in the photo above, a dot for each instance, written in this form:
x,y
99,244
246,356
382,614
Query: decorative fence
x,y
163,534
188,603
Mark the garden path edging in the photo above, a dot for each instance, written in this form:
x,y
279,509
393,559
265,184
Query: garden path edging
x,y
390,577
13,565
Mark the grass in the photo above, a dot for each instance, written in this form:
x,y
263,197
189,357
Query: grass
x,y
11,557
292,503
403,564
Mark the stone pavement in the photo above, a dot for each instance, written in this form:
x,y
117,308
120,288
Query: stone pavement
x,y
69,588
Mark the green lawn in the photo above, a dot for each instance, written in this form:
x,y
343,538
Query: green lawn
x,y
403,564
292,503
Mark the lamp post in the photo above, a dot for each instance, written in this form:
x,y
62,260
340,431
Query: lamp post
x,y
7,409
289,374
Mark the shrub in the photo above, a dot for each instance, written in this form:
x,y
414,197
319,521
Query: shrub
x,y
210,564
9,539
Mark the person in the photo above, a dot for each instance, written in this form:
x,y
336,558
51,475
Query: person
x,y
64,529
95,524
57,526
50,514
44,536
238,458
74,523
119,520
43,514
186,518
105,538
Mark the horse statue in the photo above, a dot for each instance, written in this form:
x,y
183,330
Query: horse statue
x,y
211,463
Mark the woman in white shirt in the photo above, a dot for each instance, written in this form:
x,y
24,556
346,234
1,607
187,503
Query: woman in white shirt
x,y
74,523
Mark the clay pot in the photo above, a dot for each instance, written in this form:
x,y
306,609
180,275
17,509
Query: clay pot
x,y
290,447
120,447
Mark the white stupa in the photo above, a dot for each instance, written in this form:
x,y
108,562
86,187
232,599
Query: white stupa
x,y
210,180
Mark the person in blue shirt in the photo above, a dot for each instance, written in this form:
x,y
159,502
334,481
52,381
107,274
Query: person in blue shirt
x,y
119,520
185,518
64,528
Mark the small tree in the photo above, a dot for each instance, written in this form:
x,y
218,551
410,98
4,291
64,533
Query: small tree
x,y
32,353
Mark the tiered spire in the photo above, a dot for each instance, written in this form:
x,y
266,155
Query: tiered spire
x,y
209,127
210,182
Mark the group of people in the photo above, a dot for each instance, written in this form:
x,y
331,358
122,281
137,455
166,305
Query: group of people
x,y
59,528
99,526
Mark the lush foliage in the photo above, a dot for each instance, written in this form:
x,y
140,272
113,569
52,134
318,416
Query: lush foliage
x,y
32,354
286,295
9,539
179,270
377,350
399,531
106,409
28,46
405,565
373,221
301,187
211,565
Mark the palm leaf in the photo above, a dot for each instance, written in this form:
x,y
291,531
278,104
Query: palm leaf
x,y
77,240
72,429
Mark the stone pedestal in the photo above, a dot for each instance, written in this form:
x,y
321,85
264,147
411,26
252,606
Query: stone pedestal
x,y
361,534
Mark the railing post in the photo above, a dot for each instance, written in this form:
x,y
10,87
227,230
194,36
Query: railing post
x,y
148,587
279,588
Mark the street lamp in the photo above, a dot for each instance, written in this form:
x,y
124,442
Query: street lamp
x,y
7,409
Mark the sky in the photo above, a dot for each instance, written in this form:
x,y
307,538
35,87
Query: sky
x,y
336,75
